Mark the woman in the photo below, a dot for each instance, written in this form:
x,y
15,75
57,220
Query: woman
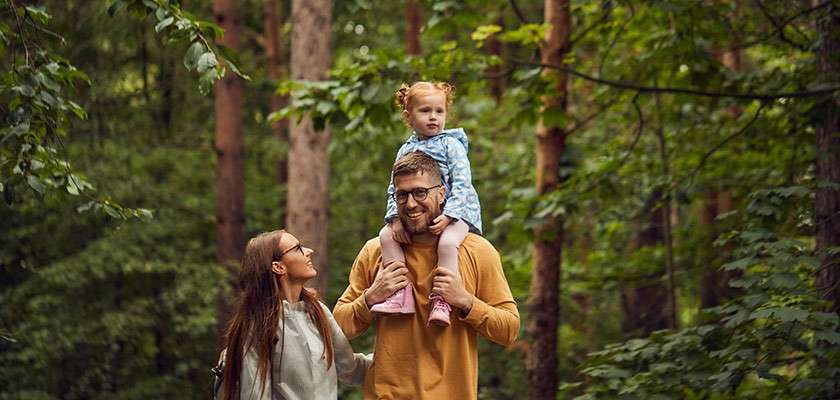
x,y
282,343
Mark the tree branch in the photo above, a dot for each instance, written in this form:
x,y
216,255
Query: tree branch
x,y
725,141
630,148
690,92
517,11
781,26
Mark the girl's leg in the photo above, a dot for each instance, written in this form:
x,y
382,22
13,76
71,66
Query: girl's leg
x,y
391,250
401,301
451,238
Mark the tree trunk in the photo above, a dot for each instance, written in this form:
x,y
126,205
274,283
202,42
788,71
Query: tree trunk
x,y
645,305
828,160
413,22
309,163
230,171
548,241
498,82
715,282
274,65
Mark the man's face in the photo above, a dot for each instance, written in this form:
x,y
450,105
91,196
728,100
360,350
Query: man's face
x,y
416,216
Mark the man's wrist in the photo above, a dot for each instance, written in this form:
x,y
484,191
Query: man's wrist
x,y
466,304
368,301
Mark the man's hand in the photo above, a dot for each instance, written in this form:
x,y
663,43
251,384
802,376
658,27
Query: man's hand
x,y
439,224
400,234
449,285
388,280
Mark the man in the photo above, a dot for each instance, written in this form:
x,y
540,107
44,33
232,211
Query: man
x,y
413,360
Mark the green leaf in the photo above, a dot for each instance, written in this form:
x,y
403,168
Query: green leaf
x,y
193,53
829,336
39,14
205,62
164,24
35,184
207,80
784,280
483,32
739,265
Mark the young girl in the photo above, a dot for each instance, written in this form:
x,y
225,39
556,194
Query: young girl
x,y
424,108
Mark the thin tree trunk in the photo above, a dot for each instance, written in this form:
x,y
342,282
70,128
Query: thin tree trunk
x,y
715,283
413,22
548,241
230,171
498,82
309,163
666,219
274,64
828,160
645,305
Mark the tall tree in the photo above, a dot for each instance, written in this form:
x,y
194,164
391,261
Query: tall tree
x,y
309,163
413,22
716,201
715,283
828,160
230,169
273,44
548,240
645,304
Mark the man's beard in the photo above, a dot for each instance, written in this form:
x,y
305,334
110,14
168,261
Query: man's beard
x,y
415,230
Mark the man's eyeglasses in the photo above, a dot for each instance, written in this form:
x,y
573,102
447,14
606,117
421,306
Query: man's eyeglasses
x,y
419,194
295,247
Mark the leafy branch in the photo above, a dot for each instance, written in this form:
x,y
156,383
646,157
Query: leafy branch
x,y
203,54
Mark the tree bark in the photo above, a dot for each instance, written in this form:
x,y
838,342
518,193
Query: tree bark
x,y
548,241
715,282
645,305
309,163
274,65
230,170
827,199
413,23
498,82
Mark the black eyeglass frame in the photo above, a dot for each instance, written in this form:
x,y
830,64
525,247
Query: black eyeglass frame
x,y
419,194
298,246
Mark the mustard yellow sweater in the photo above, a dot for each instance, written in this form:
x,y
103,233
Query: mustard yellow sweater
x,y
416,361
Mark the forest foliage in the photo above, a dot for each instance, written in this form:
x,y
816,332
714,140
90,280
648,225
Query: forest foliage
x,y
105,119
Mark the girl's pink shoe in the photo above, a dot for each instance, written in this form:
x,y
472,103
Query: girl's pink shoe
x,y
401,302
440,311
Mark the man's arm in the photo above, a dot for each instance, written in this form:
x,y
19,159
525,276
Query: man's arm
x,y
351,312
492,311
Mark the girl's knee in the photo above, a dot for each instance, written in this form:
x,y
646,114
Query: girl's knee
x,y
385,233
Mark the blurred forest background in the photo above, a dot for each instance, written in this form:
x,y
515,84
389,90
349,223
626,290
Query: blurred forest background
x,y
660,178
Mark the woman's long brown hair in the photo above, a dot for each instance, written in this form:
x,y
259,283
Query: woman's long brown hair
x,y
258,313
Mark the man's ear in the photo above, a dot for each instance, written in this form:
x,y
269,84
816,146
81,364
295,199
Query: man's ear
x,y
442,193
278,268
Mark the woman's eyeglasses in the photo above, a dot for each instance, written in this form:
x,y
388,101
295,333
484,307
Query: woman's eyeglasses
x,y
419,194
295,247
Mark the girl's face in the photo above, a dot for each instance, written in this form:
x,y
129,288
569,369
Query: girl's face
x,y
296,259
427,115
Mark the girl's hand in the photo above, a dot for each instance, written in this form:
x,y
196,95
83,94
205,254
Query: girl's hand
x,y
439,224
400,234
